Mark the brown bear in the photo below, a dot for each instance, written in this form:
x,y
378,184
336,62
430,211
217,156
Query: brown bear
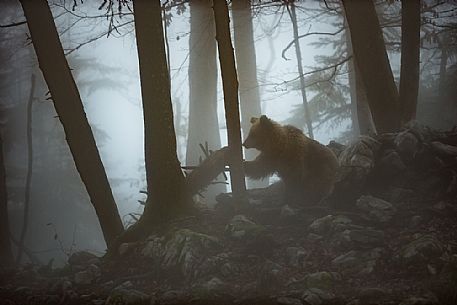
x,y
306,167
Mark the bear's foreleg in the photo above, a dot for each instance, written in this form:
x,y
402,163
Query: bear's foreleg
x,y
261,167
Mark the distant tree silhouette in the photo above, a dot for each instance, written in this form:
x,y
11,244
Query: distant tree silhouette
x,y
246,66
203,121
293,19
71,113
28,182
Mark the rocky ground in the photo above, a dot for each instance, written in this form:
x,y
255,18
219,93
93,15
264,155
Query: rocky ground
x,y
388,235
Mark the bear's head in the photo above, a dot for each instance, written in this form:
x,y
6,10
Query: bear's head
x,y
260,134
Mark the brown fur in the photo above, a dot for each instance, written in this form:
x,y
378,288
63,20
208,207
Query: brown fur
x,y
306,167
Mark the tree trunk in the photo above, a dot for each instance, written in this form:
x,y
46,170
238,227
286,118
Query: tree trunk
x,y
293,18
373,63
360,110
364,114
71,113
6,255
28,181
247,72
352,88
178,128
352,82
410,53
230,88
203,122
443,70
165,180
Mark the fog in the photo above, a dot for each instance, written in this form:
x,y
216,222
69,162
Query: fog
x,y
105,67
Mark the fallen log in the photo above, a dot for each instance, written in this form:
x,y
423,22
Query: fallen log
x,y
444,150
202,175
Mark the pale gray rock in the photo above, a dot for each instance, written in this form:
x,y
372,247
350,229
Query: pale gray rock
x,y
376,208
423,248
361,262
240,226
288,301
316,296
186,250
127,297
407,144
295,256
329,224
322,280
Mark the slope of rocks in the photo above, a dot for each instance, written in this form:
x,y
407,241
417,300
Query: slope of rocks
x,y
388,235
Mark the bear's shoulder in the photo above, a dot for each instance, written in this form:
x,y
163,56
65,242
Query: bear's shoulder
x,y
295,134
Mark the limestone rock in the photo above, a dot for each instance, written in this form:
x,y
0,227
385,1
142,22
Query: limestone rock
x,y
361,237
322,280
376,208
422,249
362,262
295,256
87,276
186,250
316,296
240,226
329,224
127,297
288,301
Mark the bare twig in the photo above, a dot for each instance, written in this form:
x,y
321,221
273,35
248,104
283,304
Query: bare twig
x,y
335,66
69,51
283,54
12,24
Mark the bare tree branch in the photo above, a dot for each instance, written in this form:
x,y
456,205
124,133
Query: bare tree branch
x,y
335,67
12,24
283,54
105,33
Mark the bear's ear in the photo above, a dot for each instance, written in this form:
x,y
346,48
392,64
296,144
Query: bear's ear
x,y
254,120
264,120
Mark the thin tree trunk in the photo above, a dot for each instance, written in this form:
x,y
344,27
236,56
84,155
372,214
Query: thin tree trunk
x,y
177,122
32,257
443,70
71,114
364,114
203,121
245,55
360,110
352,84
6,255
410,53
230,88
166,183
446,103
165,38
353,94
28,181
373,63
293,18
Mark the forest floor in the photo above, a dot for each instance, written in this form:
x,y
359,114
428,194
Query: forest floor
x,y
388,235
